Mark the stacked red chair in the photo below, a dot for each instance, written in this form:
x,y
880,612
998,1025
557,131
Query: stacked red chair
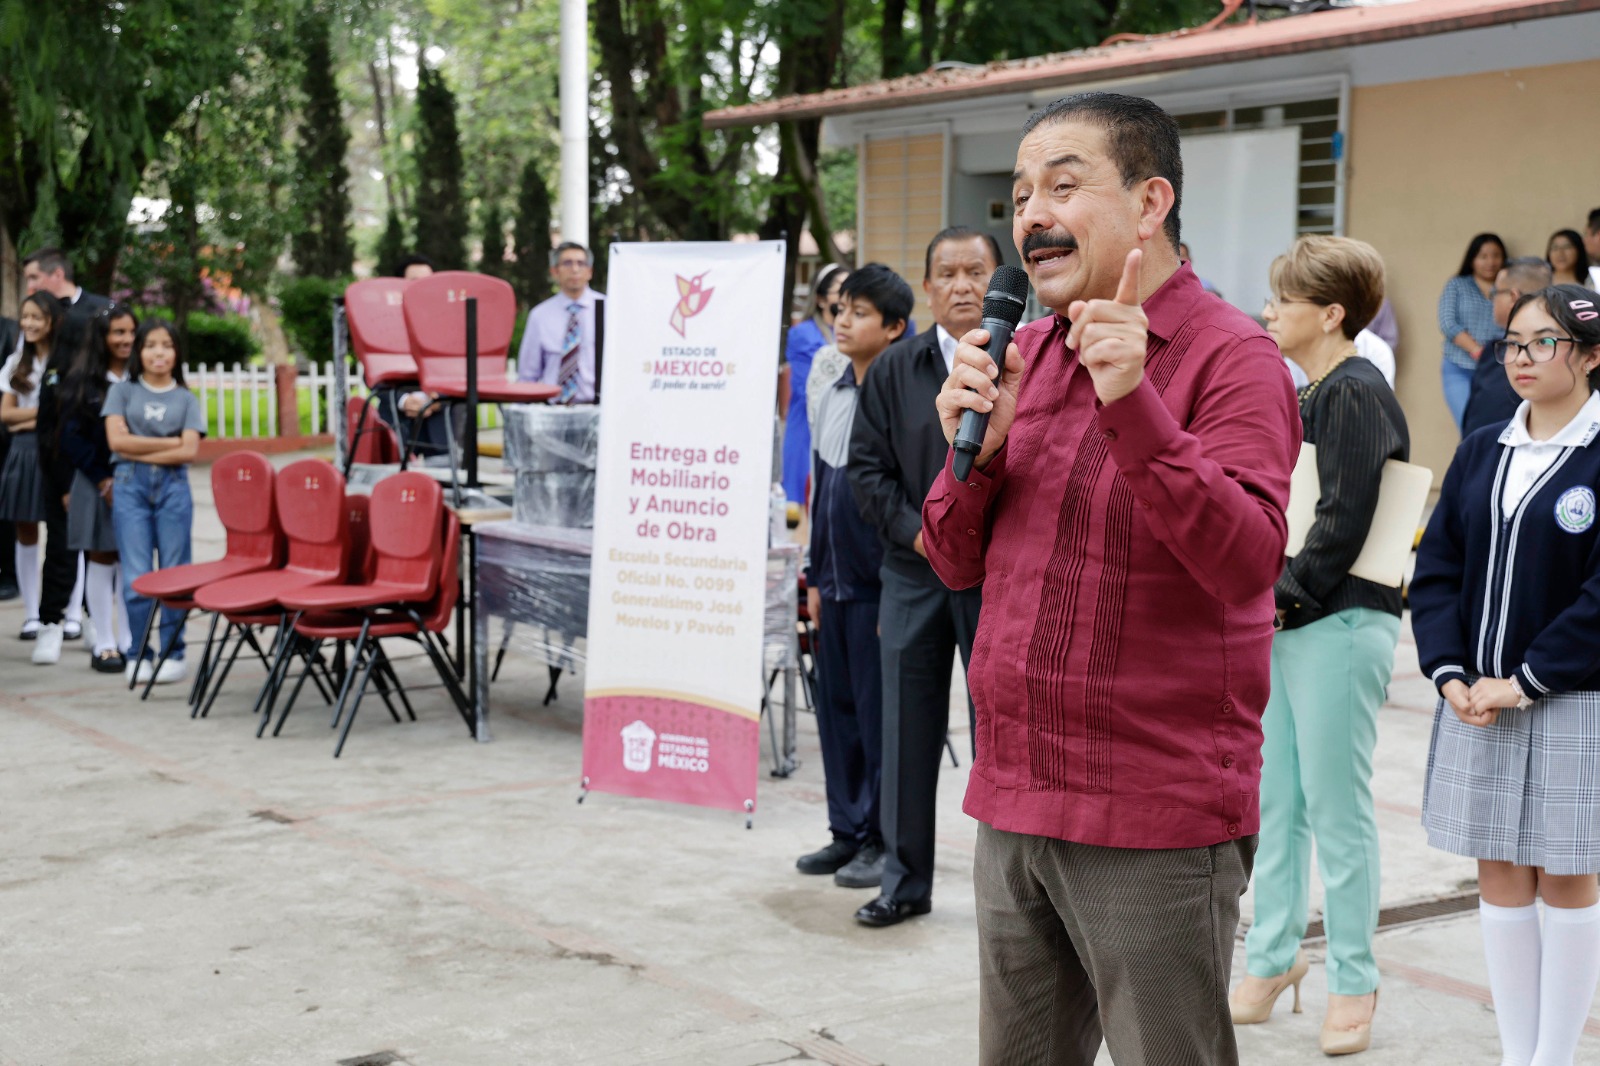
x,y
242,486
315,521
436,325
415,584
373,311
371,439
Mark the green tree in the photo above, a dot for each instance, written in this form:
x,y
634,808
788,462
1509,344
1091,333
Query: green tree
x,y
392,245
441,207
321,242
492,261
531,273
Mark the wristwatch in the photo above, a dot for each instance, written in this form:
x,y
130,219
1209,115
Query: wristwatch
x,y
1523,702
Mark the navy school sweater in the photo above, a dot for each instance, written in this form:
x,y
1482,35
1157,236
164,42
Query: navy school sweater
x,y
1519,595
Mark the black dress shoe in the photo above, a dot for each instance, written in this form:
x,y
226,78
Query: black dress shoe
x,y
828,860
886,910
863,871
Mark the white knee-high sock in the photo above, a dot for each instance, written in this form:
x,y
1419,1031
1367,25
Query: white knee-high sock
x,y
1570,970
74,611
124,629
28,579
100,588
1511,944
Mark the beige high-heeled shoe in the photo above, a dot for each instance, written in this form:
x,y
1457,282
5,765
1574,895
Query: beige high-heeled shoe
x,y
1246,1013
1349,1041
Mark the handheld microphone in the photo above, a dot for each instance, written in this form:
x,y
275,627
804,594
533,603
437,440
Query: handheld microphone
x,y
1002,310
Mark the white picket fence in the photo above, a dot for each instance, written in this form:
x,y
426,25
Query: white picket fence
x,y
241,402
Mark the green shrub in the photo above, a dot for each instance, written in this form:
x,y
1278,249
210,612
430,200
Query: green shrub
x,y
224,339
306,306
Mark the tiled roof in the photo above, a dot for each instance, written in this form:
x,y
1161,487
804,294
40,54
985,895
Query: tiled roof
x,y
1317,32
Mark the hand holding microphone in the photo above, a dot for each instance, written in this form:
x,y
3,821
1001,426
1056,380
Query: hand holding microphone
x,y
979,401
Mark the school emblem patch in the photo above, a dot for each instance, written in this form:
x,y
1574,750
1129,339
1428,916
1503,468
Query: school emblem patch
x,y
1575,509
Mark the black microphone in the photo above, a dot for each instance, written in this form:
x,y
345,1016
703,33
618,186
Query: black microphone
x,y
1002,310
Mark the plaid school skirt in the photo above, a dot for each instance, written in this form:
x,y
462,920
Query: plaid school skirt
x,y
1525,790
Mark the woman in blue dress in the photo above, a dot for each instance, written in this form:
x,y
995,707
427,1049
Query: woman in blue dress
x,y
804,340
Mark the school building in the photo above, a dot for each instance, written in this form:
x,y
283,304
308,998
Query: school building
x,y
1412,125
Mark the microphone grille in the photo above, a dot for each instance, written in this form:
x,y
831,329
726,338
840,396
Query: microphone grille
x,y
1008,294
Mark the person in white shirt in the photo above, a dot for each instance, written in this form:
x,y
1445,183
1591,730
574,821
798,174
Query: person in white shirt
x,y
562,343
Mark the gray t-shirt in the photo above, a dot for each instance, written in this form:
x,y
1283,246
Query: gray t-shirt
x,y
153,413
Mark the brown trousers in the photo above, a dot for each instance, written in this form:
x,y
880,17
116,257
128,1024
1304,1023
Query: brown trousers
x,y
1077,943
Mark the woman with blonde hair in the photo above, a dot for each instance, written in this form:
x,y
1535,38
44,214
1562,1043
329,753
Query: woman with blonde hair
x,y
1332,655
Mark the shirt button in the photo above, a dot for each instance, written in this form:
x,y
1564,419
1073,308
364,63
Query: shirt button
x,y
972,532
1227,706
1227,760
1111,434
1233,829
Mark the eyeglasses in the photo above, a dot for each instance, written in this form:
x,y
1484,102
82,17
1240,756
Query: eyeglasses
x,y
572,264
1540,349
1275,302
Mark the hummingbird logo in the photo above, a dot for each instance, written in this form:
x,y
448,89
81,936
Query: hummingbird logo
x,y
692,299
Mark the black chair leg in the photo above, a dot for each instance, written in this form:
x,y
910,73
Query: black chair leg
x,y
500,656
350,673
380,680
202,675
387,668
447,674
222,678
355,705
294,693
165,653
283,656
144,644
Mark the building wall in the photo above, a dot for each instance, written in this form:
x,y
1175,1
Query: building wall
x,y
1431,163
902,180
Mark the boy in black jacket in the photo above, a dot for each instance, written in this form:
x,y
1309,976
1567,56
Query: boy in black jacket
x,y
842,590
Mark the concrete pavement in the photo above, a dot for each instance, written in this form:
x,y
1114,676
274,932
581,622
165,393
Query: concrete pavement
x,y
177,892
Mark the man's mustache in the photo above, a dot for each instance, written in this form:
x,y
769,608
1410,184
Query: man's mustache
x,y
1041,239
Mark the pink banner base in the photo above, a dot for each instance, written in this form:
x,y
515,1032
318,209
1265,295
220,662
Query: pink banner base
x,y
658,747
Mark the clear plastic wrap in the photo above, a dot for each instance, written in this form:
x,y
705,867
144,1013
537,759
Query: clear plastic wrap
x,y
536,579
552,451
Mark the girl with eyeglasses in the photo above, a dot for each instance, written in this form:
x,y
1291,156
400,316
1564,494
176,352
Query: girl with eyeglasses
x,y
1506,611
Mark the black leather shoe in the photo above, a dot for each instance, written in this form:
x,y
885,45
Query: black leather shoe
x,y
9,590
886,910
828,860
863,871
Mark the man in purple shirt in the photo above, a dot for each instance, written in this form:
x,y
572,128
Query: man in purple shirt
x,y
1126,518
562,343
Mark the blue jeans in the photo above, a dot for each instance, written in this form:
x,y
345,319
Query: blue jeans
x,y
1457,389
152,512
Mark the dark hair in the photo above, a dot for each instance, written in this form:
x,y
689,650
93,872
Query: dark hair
x,y
136,360
1575,310
83,385
1529,270
821,283
411,261
50,260
567,246
22,376
959,233
1141,139
1477,246
1593,225
1581,267
883,289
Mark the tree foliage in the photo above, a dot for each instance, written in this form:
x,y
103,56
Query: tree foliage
x,y
492,240
441,207
530,274
392,245
321,241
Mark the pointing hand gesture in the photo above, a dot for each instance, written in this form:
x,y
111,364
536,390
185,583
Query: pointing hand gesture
x,y
1110,335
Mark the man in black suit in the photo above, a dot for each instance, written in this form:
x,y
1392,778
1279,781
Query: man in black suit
x,y
50,270
897,448
1492,399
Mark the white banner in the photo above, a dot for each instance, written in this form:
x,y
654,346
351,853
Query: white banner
x,y
673,689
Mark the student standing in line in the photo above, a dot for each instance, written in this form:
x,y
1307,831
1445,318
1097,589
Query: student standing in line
x,y
805,340
842,589
21,481
153,425
1466,318
61,578
1506,609
82,443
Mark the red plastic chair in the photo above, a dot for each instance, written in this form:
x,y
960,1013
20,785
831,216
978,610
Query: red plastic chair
x,y
242,488
405,509
373,310
423,622
311,510
436,322
371,439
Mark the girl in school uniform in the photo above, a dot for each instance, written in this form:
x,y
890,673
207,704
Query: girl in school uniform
x,y
153,425
82,443
21,480
1506,610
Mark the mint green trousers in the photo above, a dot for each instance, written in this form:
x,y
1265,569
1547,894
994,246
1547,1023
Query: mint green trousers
x,y
1320,726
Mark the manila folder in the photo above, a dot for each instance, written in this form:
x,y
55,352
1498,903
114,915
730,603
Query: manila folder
x,y
1402,496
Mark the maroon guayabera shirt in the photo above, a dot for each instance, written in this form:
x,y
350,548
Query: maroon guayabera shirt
x,y
1127,554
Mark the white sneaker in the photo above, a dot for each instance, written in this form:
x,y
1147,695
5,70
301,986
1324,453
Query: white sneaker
x,y
171,671
47,646
74,629
146,669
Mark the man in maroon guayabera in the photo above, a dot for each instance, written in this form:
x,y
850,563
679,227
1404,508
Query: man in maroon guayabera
x,y
1126,518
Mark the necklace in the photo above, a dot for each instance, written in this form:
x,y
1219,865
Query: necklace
x,y
1311,389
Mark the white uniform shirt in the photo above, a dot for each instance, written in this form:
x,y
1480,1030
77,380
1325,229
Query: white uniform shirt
x,y
25,400
1531,458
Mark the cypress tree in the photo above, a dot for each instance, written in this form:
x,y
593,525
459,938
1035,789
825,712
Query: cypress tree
x,y
493,260
531,274
321,242
441,210
391,246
